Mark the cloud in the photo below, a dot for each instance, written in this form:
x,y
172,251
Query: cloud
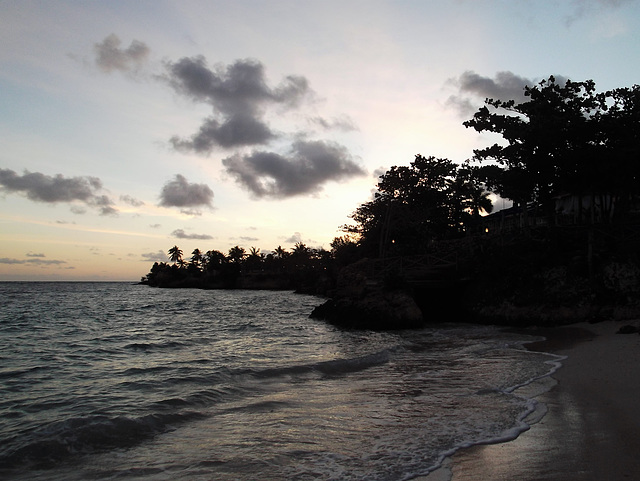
x,y
191,212
474,89
239,95
235,131
110,57
6,260
379,172
584,7
78,210
30,254
181,234
127,199
159,256
180,193
294,239
39,187
309,165
105,205
343,123
33,261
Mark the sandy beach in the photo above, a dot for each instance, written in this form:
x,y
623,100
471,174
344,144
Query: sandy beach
x,y
592,428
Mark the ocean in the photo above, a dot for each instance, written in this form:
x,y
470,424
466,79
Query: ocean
x,y
120,381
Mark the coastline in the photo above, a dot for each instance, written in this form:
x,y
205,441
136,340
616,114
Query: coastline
x,y
591,430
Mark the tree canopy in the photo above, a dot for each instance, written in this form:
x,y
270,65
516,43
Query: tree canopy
x,y
564,139
430,199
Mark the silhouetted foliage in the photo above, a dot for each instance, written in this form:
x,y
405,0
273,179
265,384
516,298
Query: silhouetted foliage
x,y
175,255
304,269
565,139
428,200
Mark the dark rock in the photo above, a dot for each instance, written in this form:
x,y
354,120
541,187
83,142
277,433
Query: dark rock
x,y
361,302
378,311
628,329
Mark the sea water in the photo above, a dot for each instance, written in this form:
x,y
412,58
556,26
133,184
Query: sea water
x,y
121,381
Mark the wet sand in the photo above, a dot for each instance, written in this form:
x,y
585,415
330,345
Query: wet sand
x,y
592,428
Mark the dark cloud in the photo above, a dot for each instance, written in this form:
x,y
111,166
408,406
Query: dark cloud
x,y
237,89
34,261
180,193
249,239
155,226
31,254
235,131
110,57
104,205
159,256
6,260
44,188
239,95
181,234
473,89
127,199
309,165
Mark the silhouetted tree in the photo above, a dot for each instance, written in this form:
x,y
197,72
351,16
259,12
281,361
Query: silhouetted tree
x,y
280,253
175,255
237,254
619,143
196,258
254,259
214,260
413,205
549,141
345,250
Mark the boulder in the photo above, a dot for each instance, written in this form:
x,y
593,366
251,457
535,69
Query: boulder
x,y
361,302
628,329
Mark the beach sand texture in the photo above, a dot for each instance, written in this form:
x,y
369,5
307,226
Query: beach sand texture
x,y
592,428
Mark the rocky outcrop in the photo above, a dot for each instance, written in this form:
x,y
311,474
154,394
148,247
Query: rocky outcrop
x,y
363,301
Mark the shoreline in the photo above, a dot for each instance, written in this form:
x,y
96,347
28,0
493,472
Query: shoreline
x,y
591,430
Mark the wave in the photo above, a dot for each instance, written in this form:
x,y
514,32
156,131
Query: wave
x,y
134,371
12,373
335,367
76,436
152,346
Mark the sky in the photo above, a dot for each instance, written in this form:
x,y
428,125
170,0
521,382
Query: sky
x,y
128,127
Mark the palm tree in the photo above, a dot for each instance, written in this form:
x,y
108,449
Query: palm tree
x,y
236,254
196,258
280,253
255,259
301,250
214,259
175,255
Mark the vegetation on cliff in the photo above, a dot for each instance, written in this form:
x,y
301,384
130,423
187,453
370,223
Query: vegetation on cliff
x,y
569,161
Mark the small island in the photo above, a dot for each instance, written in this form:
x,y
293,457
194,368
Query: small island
x,y
429,248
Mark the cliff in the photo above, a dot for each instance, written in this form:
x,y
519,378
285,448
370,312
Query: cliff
x,y
546,280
